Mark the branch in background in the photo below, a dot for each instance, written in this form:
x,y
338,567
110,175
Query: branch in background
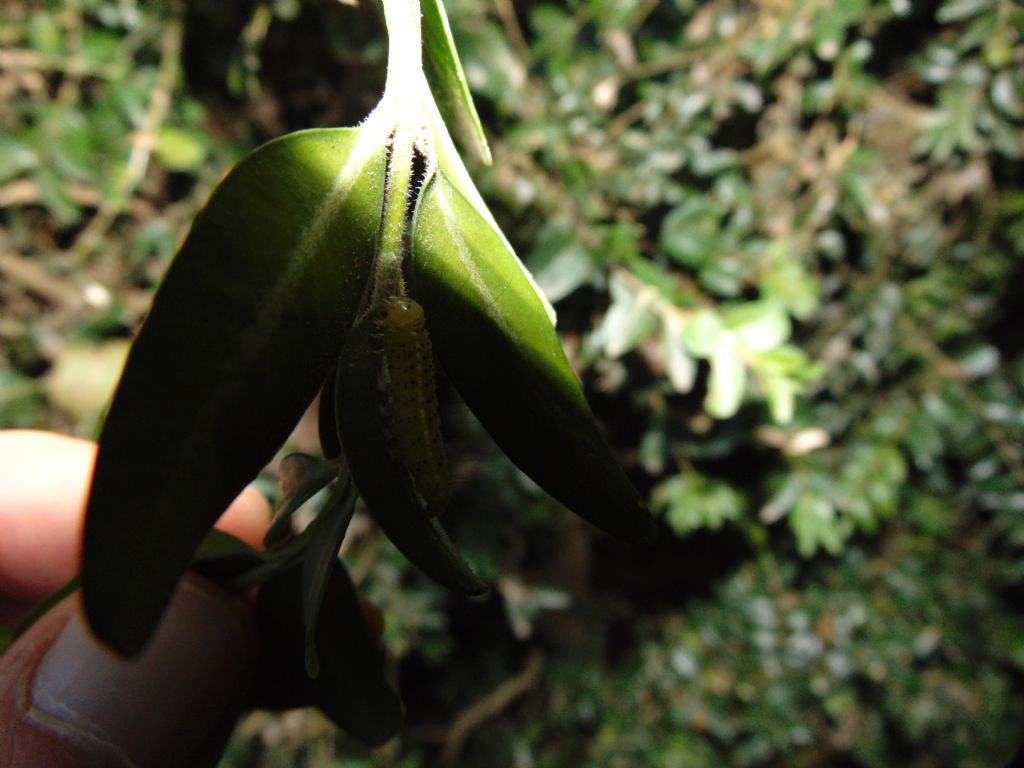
x,y
31,276
491,705
74,66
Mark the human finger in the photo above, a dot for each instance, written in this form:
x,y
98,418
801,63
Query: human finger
x,y
68,702
44,486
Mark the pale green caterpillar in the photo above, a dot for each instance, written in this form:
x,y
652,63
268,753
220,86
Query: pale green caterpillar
x,y
410,410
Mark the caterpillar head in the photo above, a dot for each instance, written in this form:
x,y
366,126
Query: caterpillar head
x,y
403,313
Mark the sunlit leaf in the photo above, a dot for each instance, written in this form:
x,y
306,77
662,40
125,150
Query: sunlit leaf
x,y
682,368
496,343
447,81
759,326
702,332
626,323
727,381
180,150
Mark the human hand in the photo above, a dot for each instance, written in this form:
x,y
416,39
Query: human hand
x,y
66,701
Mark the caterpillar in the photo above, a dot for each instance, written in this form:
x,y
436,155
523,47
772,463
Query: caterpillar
x,y
409,405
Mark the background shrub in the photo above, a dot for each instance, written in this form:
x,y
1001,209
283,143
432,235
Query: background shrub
x,y
784,240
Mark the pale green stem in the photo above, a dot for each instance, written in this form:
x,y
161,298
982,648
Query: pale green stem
x,y
392,243
404,98
405,56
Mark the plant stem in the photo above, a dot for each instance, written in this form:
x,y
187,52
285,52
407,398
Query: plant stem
x,y
405,55
404,94
392,243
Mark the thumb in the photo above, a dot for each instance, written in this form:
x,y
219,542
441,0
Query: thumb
x,y
68,702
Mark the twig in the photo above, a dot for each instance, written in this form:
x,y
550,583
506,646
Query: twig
x,y
507,14
75,66
22,192
618,124
70,89
671,63
491,705
31,276
640,14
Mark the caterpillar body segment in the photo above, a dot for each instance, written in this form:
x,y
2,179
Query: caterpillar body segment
x,y
384,482
409,403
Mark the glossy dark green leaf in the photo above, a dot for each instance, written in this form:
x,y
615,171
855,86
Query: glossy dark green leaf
x,y
319,560
300,478
350,688
496,343
378,476
242,333
327,423
222,557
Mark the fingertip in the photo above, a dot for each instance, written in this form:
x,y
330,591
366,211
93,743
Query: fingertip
x,y
248,517
44,486
66,701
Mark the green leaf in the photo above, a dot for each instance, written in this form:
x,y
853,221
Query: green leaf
x,y
319,560
350,688
241,334
682,369
560,263
222,557
448,82
724,275
728,379
786,282
494,339
65,137
958,10
789,361
54,196
327,422
180,150
781,393
691,233
626,323
300,478
702,332
45,33
16,157
814,524
758,325
1007,92
692,502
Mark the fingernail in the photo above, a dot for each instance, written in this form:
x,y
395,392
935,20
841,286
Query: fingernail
x,y
163,708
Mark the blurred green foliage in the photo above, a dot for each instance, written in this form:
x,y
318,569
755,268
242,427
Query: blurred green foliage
x,y
785,241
